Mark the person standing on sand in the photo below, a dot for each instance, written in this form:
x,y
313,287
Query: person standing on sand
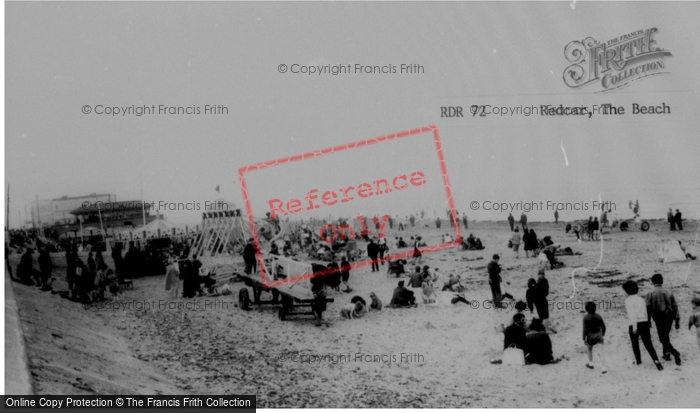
x,y
662,308
671,219
172,279
494,271
46,266
318,288
465,221
679,220
92,265
556,216
523,220
251,263
345,273
511,221
417,256
639,325
515,240
373,253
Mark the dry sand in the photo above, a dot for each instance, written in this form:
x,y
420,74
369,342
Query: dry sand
x,y
224,350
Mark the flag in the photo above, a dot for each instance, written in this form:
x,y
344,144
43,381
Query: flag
x,y
217,188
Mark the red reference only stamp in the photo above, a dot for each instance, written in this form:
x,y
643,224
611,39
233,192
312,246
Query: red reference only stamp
x,y
315,198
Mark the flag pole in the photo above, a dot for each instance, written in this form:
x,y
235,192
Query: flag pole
x,y
143,206
99,213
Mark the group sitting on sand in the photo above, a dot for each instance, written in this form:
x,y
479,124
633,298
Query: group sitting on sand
x,y
471,243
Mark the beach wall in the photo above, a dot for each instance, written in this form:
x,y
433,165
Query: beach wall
x,y
17,377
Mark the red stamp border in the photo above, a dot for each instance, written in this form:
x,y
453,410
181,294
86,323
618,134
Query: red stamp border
x,y
263,165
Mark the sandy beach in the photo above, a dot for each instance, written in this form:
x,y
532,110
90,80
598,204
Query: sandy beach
x,y
434,355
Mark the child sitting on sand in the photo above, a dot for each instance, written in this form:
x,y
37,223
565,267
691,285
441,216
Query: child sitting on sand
x,y
376,303
695,318
593,333
353,310
428,292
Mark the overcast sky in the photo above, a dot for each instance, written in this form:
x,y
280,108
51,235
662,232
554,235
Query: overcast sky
x,y
62,56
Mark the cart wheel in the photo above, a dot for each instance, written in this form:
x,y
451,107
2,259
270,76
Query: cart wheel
x,y
282,314
645,226
243,299
624,226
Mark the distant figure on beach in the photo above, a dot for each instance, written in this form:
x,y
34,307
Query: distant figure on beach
x,y
567,228
530,242
635,209
556,216
45,266
464,221
515,241
383,249
511,221
523,220
494,271
671,219
373,253
417,256
172,279
679,220
251,264
603,220
345,273
318,288
596,229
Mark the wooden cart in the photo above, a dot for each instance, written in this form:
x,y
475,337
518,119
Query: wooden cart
x,y
293,301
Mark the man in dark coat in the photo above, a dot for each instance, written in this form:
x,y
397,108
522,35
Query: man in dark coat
x,y
514,334
663,309
92,265
190,276
373,253
494,271
511,221
251,264
402,297
118,262
679,220
45,265
539,345
24,268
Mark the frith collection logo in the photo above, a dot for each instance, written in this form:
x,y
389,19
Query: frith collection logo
x,y
616,63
